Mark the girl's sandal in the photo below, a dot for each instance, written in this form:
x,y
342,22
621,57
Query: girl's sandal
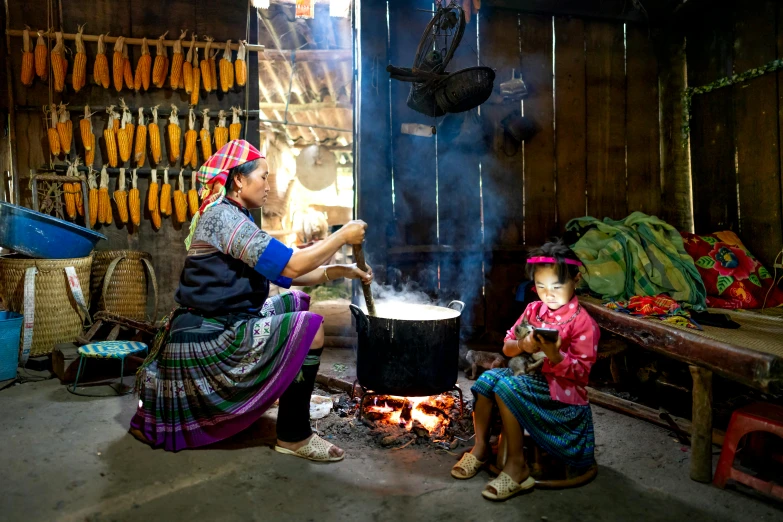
x,y
316,449
506,488
467,467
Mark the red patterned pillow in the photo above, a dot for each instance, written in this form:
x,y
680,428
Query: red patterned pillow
x,y
733,276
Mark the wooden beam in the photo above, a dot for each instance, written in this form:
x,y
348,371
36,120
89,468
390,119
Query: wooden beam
x,y
595,9
299,107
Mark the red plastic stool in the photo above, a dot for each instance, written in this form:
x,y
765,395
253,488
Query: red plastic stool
x,y
756,417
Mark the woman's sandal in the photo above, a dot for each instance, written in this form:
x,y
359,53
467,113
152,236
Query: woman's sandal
x,y
316,449
467,467
506,488
138,435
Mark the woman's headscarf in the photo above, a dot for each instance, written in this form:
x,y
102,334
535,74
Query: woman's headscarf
x,y
213,175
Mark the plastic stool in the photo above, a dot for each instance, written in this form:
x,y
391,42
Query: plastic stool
x,y
756,417
107,350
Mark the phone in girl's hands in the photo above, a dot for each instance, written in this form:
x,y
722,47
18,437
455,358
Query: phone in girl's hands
x,y
548,334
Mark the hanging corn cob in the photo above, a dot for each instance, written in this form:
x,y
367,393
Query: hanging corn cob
x,y
134,201
152,199
165,194
127,70
109,136
221,131
196,79
68,195
190,140
174,134
226,69
41,58
180,204
76,188
121,197
125,134
213,70
154,132
28,59
187,67
240,65
235,129
143,68
119,63
177,63
161,64
88,138
206,69
100,69
64,129
93,198
79,78
192,194
206,139
103,198
140,152
59,63
54,137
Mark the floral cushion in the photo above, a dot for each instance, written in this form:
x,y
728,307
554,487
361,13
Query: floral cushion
x,y
733,276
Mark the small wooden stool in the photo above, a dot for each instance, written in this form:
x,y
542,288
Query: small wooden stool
x,y
107,350
756,417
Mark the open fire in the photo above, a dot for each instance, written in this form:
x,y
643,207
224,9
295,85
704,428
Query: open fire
x,y
424,415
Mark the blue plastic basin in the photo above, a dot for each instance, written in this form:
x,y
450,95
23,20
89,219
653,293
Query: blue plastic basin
x,y
38,235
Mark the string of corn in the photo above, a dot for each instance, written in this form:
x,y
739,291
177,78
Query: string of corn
x,y
187,66
192,194
180,204
221,131
165,194
41,58
93,198
235,130
109,136
64,129
152,199
121,197
240,65
54,138
174,134
143,68
177,63
100,69
154,133
204,136
127,70
28,59
140,151
206,69
118,63
134,201
79,78
190,140
161,63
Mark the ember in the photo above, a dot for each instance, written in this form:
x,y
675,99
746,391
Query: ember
x,y
412,413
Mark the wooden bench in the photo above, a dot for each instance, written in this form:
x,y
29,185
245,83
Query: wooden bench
x,y
751,355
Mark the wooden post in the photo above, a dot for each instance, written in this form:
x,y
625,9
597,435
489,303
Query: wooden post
x,y
701,436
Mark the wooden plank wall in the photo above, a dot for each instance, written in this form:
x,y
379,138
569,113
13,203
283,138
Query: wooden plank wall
x,y
735,146
595,150
144,18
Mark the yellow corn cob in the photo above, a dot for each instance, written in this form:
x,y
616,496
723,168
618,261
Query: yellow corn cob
x,y
76,189
103,198
110,137
65,129
226,69
206,69
152,199
100,70
127,70
121,197
165,194
28,60
175,134
134,201
235,130
41,58
180,203
240,65
187,66
54,137
221,131
59,63
196,85
206,139
190,139
193,195
85,128
125,134
161,64
177,62
140,152
213,71
154,133
143,68
79,78
119,63
89,155
93,196
68,195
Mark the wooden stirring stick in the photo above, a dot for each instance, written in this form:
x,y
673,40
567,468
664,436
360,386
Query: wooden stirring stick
x,y
358,253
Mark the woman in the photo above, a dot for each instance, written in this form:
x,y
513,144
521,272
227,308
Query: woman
x,y
229,352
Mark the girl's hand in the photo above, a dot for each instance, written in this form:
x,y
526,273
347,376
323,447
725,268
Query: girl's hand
x,y
552,350
528,344
353,272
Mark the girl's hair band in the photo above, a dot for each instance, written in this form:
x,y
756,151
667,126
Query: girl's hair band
x,y
552,261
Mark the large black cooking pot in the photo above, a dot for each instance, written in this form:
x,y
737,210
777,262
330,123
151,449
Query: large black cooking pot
x,y
408,349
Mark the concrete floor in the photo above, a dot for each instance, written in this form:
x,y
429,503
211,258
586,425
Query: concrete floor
x,y
69,458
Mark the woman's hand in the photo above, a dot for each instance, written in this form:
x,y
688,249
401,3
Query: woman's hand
x,y
353,272
352,233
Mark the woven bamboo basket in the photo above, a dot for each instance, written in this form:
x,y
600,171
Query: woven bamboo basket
x,y
57,315
118,283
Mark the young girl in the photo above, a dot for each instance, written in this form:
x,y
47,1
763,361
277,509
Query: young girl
x,y
551,405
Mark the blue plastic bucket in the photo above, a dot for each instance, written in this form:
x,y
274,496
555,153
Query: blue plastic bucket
x,y
10,332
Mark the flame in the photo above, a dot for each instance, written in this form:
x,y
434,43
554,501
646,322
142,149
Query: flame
x,y
430,421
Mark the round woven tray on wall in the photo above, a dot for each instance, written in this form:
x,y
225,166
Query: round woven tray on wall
x,y
57,318
124,291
